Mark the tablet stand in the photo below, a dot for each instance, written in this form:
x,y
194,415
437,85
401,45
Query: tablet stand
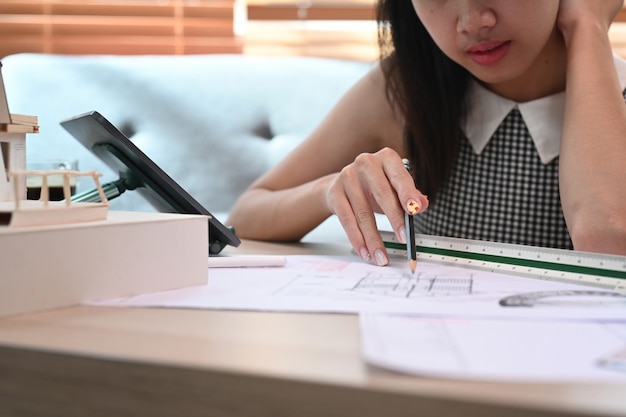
x,y
111,190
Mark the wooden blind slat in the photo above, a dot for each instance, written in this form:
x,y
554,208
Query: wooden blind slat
x,y
310,13
313,3
115,26
110,7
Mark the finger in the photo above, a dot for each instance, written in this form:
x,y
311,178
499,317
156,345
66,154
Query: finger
x,y
342,208
414,200
395,180
371,179
350,225
410,198
401,178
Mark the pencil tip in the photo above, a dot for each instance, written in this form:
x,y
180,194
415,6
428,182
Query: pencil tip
x,y
412,265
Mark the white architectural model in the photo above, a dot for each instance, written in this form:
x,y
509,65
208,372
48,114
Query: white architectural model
x,y
12,157
13,130
43,212
15,209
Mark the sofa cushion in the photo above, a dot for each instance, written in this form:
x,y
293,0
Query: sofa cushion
x,y
214,123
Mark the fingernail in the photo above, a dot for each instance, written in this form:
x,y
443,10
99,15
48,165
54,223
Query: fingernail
x,y
402,235
412,207
365,254
380,258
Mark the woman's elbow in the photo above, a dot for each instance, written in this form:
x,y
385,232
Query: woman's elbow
x,y
604,233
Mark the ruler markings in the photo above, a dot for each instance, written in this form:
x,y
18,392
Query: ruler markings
x,y
595,269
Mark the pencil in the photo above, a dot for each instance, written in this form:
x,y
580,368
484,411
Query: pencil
x,y
410,231
410,242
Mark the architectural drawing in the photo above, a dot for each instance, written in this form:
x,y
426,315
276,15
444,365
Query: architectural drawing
x,y
410,286
387,283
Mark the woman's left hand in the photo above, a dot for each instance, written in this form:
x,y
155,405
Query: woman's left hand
x,y
572,12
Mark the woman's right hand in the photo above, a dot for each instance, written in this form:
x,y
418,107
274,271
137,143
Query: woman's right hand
x,y
374,183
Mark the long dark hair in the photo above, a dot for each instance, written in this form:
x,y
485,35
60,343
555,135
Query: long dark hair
x,y
427,87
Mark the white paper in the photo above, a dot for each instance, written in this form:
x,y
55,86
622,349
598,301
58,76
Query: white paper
x,y
492,349
349,285
246,261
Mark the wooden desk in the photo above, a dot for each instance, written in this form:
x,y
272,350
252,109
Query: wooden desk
x,y
97,361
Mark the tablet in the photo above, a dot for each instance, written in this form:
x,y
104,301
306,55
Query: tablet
x,y
138,172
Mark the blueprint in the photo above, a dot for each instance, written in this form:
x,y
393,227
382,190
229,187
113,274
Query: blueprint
x,y
494,349
349,285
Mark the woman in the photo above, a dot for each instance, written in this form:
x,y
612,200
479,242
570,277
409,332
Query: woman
x,y
474,94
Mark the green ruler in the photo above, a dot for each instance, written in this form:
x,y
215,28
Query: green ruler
x,y
599,270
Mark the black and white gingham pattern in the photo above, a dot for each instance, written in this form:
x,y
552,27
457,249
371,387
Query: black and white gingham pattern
x,y
505,194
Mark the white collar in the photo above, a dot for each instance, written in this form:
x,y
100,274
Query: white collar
x,y
543,117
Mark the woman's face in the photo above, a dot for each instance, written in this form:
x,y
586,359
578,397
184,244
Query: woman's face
x,y
500,42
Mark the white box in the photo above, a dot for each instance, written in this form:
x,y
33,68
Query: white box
x,y
129,253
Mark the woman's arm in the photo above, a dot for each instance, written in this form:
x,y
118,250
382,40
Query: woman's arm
x,y
593,147
339,170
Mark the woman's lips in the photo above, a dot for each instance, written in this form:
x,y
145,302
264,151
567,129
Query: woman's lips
x,y
489,53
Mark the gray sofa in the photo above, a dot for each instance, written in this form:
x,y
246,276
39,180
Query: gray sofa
x,y
214,123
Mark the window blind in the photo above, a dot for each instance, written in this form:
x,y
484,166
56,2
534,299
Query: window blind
x,y
311,9
328,28
118,26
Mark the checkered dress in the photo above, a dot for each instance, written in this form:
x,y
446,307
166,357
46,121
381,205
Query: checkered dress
x,y
505,194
